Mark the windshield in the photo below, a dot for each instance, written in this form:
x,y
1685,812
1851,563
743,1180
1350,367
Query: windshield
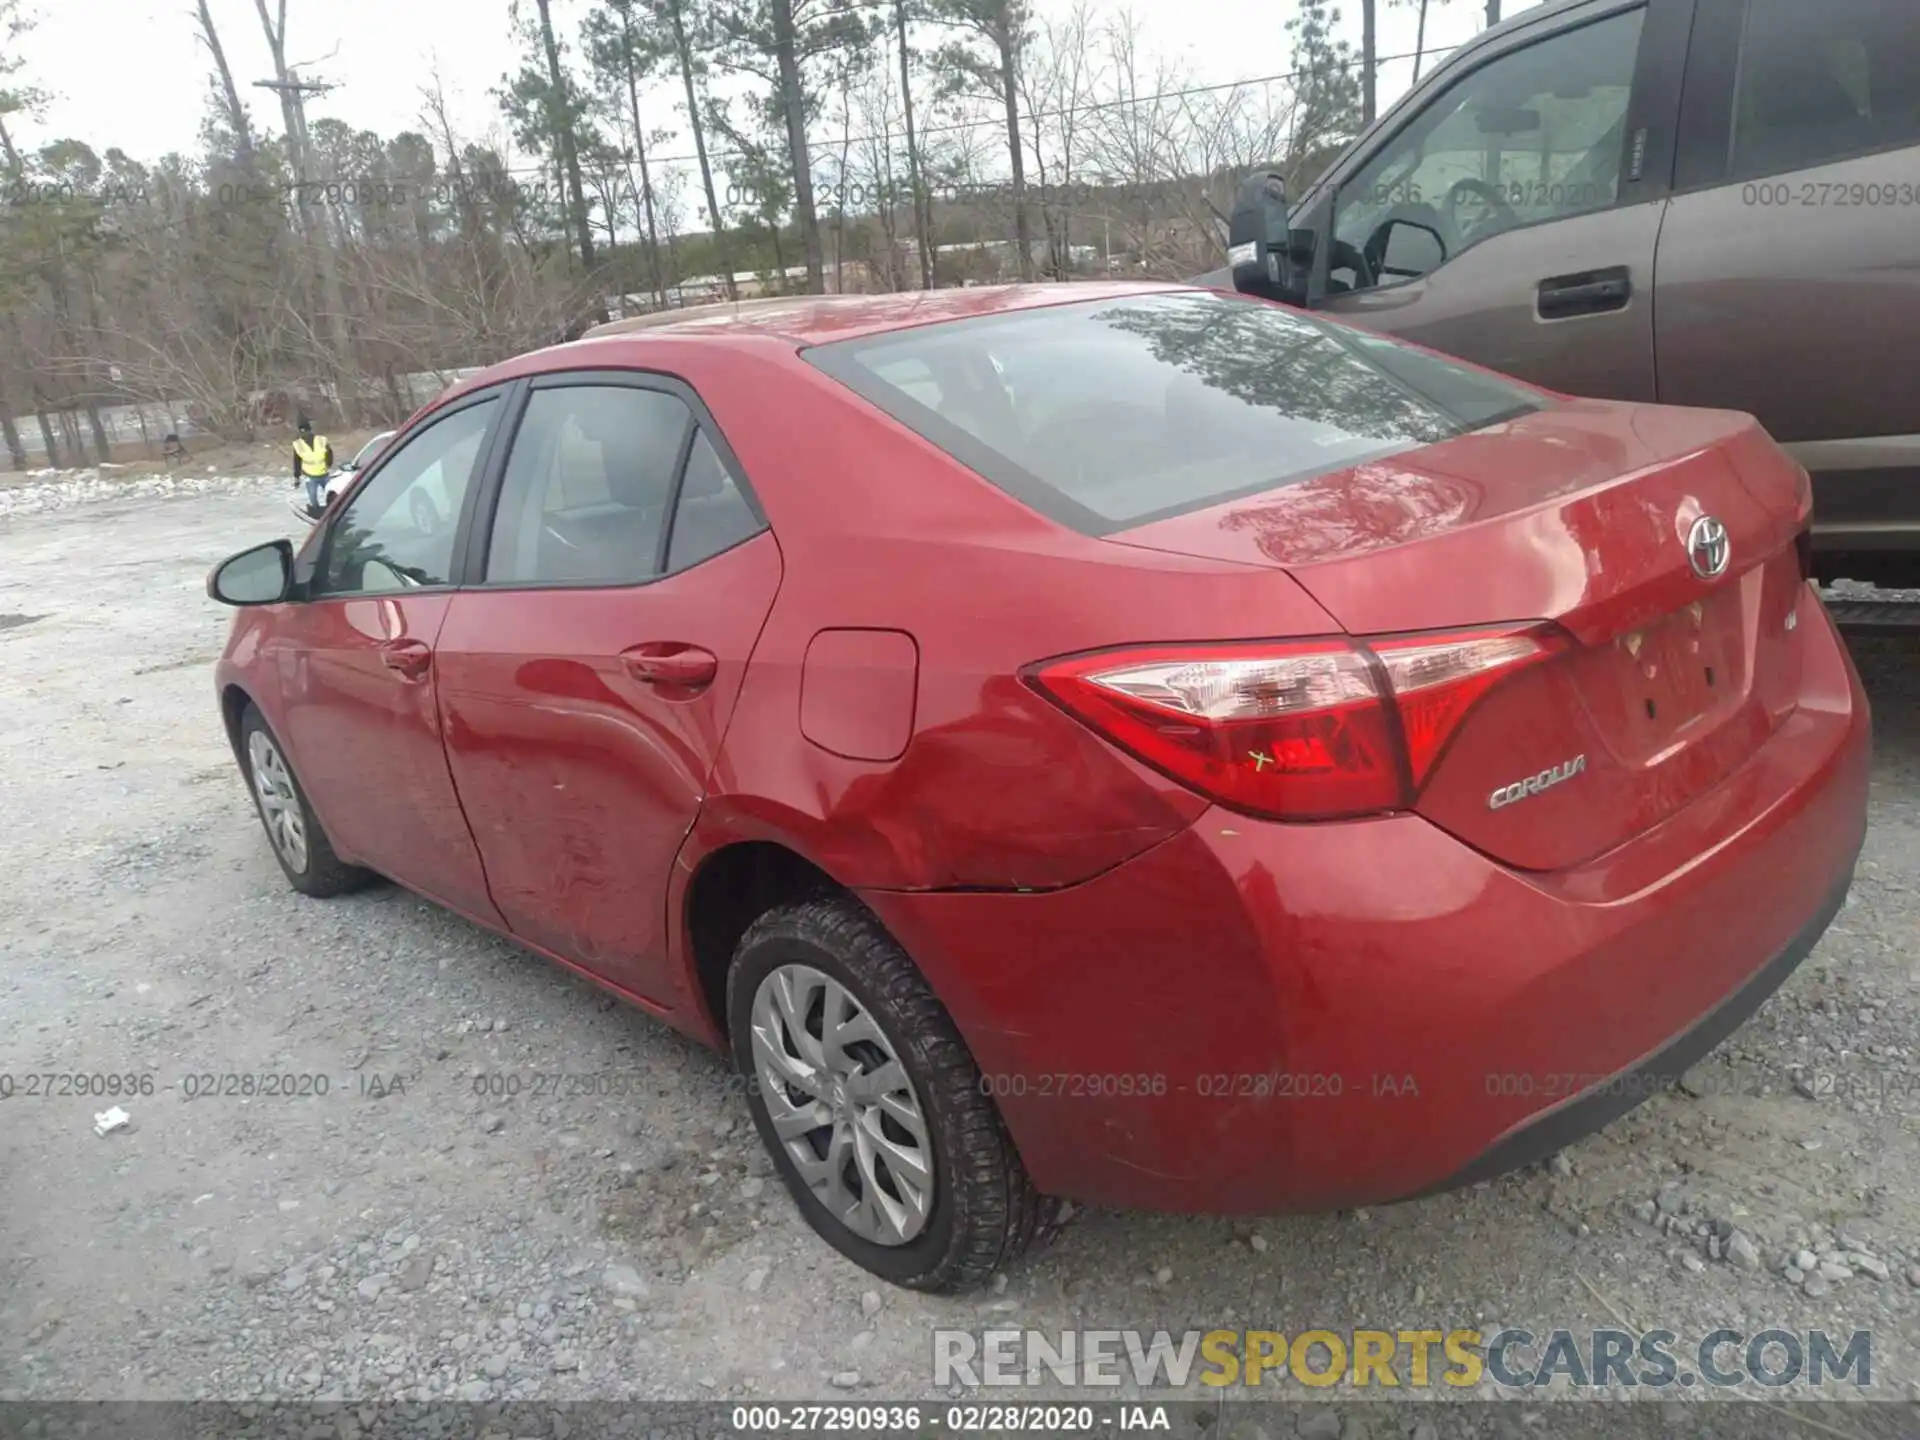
x,y
1111,414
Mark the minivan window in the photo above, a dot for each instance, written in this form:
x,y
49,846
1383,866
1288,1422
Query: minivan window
x,y
1822,81
1109,414
1535,135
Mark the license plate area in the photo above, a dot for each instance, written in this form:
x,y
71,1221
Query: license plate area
x,y
1653,689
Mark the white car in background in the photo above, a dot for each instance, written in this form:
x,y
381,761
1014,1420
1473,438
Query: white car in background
x,y
345,475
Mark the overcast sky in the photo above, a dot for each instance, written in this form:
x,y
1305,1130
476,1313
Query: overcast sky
x,y
132,73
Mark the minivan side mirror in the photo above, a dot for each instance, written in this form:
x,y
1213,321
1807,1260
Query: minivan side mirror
x,y
1264,255
260,576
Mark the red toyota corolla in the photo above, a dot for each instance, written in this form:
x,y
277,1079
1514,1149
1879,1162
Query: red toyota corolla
x,y
1126,743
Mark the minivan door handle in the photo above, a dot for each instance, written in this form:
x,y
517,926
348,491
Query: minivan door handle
x,y
670,666
1593,293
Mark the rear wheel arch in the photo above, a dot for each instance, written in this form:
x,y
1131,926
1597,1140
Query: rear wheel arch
x,y
730,889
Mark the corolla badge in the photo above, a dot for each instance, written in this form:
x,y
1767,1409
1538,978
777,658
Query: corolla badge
x,y
1534,784
1708,548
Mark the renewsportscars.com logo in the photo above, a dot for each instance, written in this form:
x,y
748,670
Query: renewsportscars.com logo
x,y
1508,1358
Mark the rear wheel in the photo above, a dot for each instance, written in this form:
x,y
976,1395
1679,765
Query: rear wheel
x,y
871,1104
299,844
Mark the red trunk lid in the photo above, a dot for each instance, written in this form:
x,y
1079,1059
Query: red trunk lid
x,y
1578,514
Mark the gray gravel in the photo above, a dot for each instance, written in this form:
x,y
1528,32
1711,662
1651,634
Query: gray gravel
x,y
412,1235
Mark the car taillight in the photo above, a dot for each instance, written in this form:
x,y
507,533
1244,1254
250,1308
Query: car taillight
x,y
1437,678
1292,729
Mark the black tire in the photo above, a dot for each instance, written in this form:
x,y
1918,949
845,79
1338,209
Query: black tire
x,y
986,1212
325,874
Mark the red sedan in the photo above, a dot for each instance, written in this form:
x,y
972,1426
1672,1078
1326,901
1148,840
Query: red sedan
x,y
1126,743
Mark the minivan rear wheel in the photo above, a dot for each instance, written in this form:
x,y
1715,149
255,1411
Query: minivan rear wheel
x,y
870,1102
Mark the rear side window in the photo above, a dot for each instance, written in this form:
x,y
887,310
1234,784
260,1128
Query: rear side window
x,y
1113,413
713,515
1776,86
588,486
1820,80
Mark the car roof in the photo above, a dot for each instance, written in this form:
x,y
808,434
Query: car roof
x,y
785,323
817,319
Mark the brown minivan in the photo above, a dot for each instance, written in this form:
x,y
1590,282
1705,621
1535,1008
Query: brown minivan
x,y
1700,202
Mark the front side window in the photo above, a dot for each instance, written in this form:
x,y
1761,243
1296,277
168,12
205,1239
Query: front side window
x,y
1110,414
1820,80
398,531
588,486
1536,135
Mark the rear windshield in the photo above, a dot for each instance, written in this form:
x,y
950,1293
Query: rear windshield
x,y
1113,413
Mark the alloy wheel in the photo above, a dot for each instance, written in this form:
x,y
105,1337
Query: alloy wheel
x,y
842,1105
279,801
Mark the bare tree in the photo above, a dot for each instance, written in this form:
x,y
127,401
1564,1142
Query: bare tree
x,y
1057,87
922,203
624,54
683,53
287,84
562,119
1004,28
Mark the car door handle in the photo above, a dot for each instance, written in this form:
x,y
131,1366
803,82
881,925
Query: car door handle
x,y
669,665
410,657
1593,293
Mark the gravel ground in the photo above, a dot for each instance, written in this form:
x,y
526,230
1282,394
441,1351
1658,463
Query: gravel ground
x,y
404,1237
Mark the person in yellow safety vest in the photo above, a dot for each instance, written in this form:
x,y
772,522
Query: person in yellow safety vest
x,y
312,459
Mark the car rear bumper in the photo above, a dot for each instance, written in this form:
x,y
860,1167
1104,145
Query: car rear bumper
x,y
1613,1097
1253,1017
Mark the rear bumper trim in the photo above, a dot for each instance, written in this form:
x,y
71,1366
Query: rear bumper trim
x,y
1607,1101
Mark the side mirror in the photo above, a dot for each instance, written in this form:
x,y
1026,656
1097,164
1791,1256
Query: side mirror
x,y
260,576
1408,249
1264,255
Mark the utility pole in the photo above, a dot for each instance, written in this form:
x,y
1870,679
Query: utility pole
x,y
1493,12
293,91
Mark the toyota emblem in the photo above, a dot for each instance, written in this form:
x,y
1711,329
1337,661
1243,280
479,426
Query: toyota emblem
x,y
1708,548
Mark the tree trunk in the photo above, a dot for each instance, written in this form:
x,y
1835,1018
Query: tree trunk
x,y
840,210
640,152
1010,91
1420,42
700,149
562,126
922,203
293,115
100,442
793,109
70,437
229,92
15,449
46,428
1369,58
